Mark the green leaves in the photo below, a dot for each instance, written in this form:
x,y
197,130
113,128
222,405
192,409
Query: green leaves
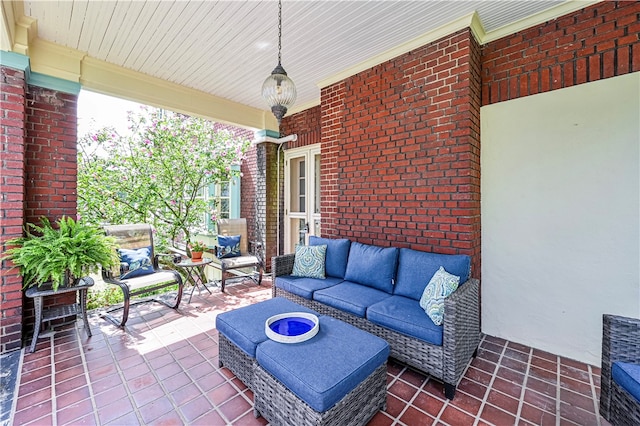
x,y
69,250
156,175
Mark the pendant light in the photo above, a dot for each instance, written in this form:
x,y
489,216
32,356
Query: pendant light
x,y
278,89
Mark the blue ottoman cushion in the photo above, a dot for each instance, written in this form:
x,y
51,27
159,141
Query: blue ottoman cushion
x,y
303,286
322,370
245,326
405,316
337,254
351,297
627,375
415,269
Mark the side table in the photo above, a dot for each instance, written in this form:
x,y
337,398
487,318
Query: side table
x,y
62,311
194,271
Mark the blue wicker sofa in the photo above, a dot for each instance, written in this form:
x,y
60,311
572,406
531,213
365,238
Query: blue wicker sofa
x,y
378,289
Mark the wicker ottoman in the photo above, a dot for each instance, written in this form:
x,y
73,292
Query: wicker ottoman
x,y
241,330
337,377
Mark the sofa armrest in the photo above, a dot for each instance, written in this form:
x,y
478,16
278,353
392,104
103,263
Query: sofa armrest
x,y
461,334
281,265
620,342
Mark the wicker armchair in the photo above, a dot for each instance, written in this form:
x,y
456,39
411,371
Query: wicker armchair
x,y
137,236
620,343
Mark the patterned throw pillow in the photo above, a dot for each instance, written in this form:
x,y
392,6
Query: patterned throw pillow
x,y
228,246
309,261
442,284
135,262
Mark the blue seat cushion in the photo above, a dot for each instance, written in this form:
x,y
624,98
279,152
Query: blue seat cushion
x,y
416,268
305,287
323,369
245,326
351,297
337,254
627,376
372,266
405,316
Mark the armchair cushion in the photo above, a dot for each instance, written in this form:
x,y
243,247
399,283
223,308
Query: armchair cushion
x,y
138,262
337,254
627,375
228,246
309,261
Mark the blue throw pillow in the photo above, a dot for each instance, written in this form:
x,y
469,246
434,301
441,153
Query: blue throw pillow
x,y
309,261
138,262
228,246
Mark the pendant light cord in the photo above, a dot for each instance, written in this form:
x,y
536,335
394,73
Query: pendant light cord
x,y
279,31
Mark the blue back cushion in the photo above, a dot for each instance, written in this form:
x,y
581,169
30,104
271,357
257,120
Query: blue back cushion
x,y
372,266
415,269
337,254
138,262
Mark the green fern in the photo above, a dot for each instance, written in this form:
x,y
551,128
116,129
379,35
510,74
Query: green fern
x,y
60,254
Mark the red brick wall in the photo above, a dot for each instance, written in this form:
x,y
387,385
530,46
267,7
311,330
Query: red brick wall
x,y
51,165
400,151
597,42
12,151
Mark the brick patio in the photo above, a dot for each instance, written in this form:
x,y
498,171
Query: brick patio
x,y
163,369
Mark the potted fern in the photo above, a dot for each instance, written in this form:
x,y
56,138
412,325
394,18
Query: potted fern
x,y
61,255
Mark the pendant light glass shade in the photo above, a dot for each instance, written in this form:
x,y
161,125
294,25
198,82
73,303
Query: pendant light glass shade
x,y
278,89
279,92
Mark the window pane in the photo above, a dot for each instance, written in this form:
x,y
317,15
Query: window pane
x,y
224,189
224,206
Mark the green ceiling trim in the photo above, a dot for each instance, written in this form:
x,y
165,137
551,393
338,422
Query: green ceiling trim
x,y
14,60
54,83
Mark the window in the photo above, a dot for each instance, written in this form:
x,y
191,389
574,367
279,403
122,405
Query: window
x,y
220,200
223,200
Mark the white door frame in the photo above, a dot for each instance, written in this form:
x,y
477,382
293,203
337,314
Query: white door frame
x,y
311,215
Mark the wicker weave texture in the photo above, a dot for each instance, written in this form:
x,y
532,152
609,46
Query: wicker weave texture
x,y
620,343
236,360
280,406
461,332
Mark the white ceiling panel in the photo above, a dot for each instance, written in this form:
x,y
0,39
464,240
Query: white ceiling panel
x,y
228,48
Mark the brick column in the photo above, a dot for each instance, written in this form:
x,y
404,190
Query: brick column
x,y
12,189
51,169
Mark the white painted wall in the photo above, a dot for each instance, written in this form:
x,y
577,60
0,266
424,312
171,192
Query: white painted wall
x,y
561,215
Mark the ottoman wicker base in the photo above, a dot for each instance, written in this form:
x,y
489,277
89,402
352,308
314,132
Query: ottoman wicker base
x,y
242,330
280,406
234,358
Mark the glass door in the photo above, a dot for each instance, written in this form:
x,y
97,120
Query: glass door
x,y
302,196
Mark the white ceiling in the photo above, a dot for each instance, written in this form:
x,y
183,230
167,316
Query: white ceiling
x,y
228,48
